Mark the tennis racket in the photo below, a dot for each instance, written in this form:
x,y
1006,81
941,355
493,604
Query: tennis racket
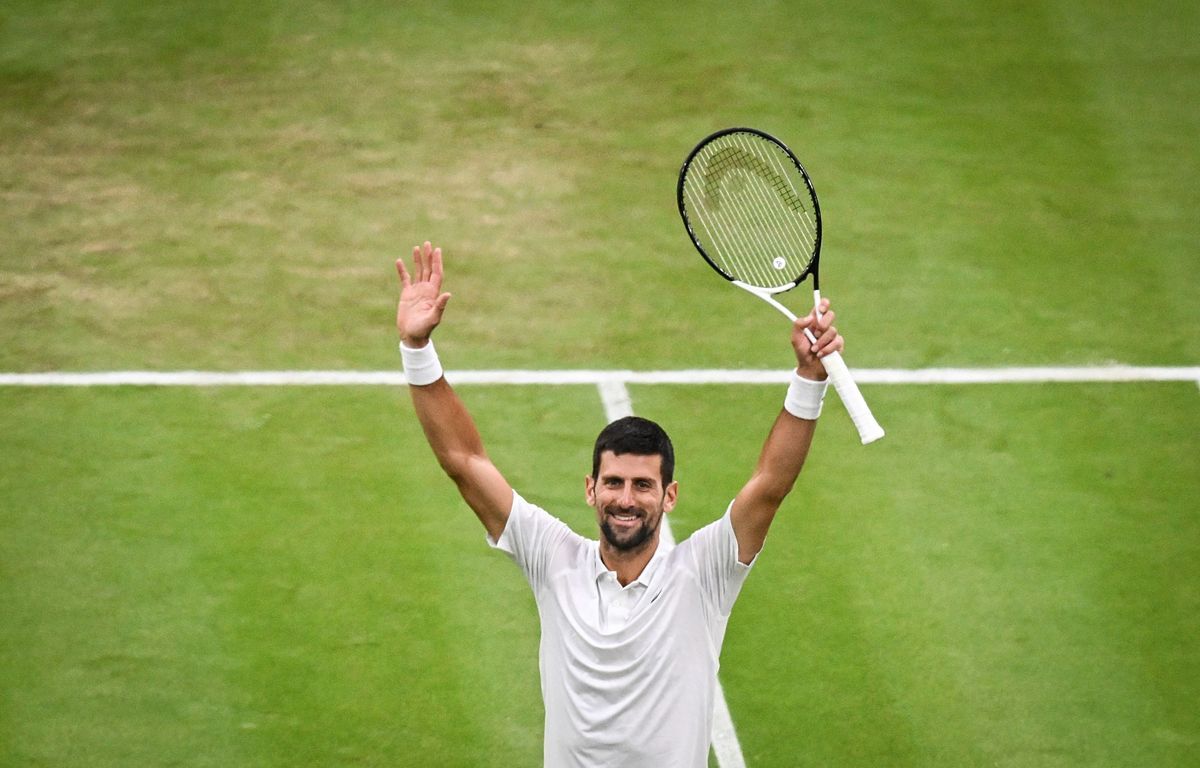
x,y
751,211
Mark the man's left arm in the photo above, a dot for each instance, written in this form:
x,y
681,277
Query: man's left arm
x,y
787,445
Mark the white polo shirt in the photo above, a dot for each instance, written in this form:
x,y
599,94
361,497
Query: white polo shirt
x,y
628,674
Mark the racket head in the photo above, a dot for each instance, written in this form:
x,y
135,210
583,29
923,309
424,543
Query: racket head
x,y
751,209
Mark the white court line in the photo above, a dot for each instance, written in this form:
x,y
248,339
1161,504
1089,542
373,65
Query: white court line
x,y
725,745
1020,375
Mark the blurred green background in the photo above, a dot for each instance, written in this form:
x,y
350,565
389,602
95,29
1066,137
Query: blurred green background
x,y
283,577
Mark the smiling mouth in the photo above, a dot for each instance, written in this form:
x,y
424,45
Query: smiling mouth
x,y
627,530
624,519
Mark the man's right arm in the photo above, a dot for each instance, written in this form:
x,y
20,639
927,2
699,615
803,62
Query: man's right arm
x,y
448,425
456,443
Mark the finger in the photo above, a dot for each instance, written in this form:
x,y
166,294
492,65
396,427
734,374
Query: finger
x,y
436,268
830,342
801,333
826,320
405,280
417,259
803,345
818,333
820,308
441,303
837,345
804,322
811,325
426,261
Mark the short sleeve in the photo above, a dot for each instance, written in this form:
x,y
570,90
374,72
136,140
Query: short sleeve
x,y
533,538
714,551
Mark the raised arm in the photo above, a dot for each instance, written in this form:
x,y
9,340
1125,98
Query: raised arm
x,y
787,444
448,425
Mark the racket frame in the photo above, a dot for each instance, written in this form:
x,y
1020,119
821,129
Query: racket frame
x,y
868,427
813,266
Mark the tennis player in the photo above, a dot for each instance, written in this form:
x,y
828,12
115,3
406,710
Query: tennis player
x,y
631,628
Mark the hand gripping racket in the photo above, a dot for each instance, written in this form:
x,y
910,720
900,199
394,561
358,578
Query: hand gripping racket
x,y
752,212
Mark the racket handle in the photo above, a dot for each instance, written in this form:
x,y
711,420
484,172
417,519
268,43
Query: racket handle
x,y
868,428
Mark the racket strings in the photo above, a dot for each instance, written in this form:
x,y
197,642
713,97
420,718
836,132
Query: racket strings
x,y
765,216
752,210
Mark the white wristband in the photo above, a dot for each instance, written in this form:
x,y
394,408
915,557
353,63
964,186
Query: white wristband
x,y
421,366
804,397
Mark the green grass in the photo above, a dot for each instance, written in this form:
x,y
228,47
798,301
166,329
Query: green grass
x,y
283,576
1019,590
256,576
224,188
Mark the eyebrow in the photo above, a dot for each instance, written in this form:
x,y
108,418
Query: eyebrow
x,y
606,476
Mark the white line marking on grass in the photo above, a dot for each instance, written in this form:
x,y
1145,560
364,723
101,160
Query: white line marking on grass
x,y
725,745
725,742
617,403
1028,375
1025,375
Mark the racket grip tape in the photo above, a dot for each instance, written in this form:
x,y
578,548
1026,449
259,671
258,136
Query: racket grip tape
x,y
868,428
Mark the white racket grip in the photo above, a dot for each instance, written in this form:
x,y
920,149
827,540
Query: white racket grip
x,y
868,428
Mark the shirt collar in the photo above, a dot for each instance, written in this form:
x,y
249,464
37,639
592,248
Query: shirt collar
x,y
646,577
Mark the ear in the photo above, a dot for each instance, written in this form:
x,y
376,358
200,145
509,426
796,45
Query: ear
x,y
589,490
670,496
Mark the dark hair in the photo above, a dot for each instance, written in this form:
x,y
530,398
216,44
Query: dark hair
x,y
638,436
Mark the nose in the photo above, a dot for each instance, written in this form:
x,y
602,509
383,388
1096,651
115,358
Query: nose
x,y
627,495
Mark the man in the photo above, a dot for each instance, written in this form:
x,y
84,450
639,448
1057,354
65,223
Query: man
x,y
631,629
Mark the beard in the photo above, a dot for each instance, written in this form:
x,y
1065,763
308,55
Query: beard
x,y
628,540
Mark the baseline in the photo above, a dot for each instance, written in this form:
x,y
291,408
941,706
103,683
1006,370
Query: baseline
x,y
868,376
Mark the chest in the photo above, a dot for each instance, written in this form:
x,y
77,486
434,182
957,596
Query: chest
x,y
667,616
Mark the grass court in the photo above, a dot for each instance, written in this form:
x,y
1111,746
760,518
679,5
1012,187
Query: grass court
x,y
267,576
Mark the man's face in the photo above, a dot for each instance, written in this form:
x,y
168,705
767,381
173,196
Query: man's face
x,y
629,498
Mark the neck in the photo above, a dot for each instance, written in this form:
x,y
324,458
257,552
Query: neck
x,y
628,565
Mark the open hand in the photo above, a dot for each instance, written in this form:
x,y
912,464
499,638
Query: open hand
x,y
421,299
